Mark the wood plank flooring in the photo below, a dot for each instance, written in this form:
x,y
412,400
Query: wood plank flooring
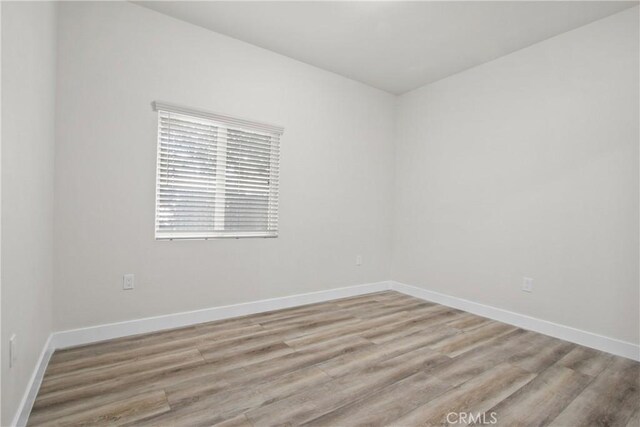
x,y
378,359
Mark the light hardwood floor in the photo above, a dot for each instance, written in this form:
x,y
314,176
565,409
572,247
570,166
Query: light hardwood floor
x,y
377,359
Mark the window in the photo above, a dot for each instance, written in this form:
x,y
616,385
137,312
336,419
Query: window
x,y
217,176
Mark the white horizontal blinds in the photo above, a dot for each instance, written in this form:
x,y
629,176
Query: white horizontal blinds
x,y
251,181
217,177
186,179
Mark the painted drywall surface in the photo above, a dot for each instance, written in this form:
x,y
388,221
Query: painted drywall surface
x,y
528,166
28,105
336,165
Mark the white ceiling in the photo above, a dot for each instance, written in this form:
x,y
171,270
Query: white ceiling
x,y
396,46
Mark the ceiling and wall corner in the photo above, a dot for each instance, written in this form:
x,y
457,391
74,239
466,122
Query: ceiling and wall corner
x,y
396,46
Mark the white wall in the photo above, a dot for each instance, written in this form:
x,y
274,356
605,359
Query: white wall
x,y
336,169
28,105
501,171
528,166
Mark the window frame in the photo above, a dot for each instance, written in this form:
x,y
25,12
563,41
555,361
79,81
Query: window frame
x,y
223,123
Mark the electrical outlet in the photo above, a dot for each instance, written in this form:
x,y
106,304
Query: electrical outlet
x,y
13,351
527,284
358,260
127,282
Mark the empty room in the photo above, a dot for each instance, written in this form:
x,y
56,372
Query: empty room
x,y
322,213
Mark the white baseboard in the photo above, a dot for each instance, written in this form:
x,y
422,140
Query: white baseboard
x,y
92,334
74,337
71,338
567,333
29,397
